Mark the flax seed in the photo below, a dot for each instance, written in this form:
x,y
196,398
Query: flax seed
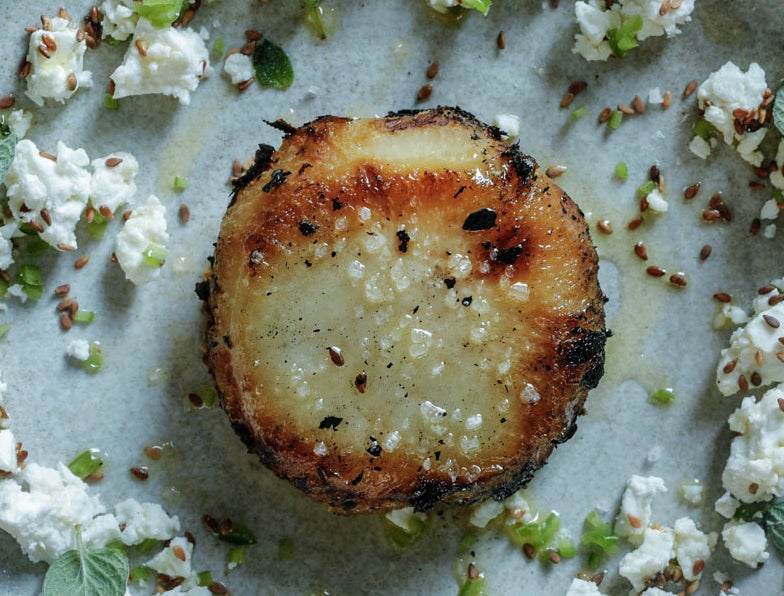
x,y
93,478
756,379
65,321
772,321
781,403
692,587
766,289
553,555
62,290
218,589
664,8
711,215
691,191
253,35
641,251
566,100
140,472
46,24
655,271
113,162
187,17
241,86
753,488
44,51
705,252
432,70
105,212
754,228
424,92
666,100
690,88
638,104
210,523
7,102
679,280
529,550
500,41
127,214
604,226
634,223
71,82
634,521
81,262
625,109
48,156
80,35
743,384
179,552
722,297
555,171
759,358
760,172
153,451
248,48
65,304
44,213
774,300
336,355
473,571
605,114
185,213
196,400
35,226
24,69
50,44
578,87
225,527
142,47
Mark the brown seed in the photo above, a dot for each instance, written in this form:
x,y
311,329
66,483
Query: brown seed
x,y
760,172
6,102
598,578
80,35
553,555
678,280
666,100
66,247
210,523
675,4
140,472
691,86
81,262
634,223
555,171
127,214
634,521
71,82
677,574
190,537
153,451
726,586
336,355
743,384
24,69
93,478
753,488
722,297
50,44
113,162
641,251
781,403
44,213
179,552
473,571
248,48
65,321
242,85
196,400
35,226
605,114
218,588
654,173
754,228
664,8
142,47
566,100
756,379
360,382
711,215
48,156
425,91
774,300
225,527
604,226
62,290
772,321
625,109
185,213
655,271
766,289
105,212
529,550
187,17
638,104
253,35
759,358
500,41
705,252
65,304
432,70
691,191
578,87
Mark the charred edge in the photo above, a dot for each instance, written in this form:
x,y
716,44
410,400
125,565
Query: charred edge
x,y
518,481
429,493
586,346
283,126
261,164
202,290
277,178
440,115
523,164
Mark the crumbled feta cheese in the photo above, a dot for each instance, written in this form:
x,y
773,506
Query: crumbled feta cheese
x,y
700,147
583,587
42,518
193,591
100,531
656,201
649,558
769,210
7,231
753,349
634,517
79,349
404,518
726,505
113,185
745,542
140,521
770,231
59,188
755,468
730,89
509,124
693,493
19,121
239,68
595,20
174,560
8,460
692,547
145,228
485,512
57,63
119,18
654,591
730,313
174,61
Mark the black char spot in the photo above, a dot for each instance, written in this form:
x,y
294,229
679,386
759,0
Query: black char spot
x,y
484,219
330,422
509,255
307,228
375,447
404,240
450,282
277,178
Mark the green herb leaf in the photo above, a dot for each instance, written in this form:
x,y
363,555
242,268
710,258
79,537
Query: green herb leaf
x,y
286,549
622,171
778,111
87,572
7,149
473,587
161,13
774,527
86,463
94,362
315,13
235,533
272,65
622,39
110,103
154,255
482,6
662,397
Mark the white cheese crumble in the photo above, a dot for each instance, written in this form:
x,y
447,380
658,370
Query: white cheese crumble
x,y
19,121
753,348
404,518
51,194
119,18
634,517
649,558
583,587
509,124
174,62
78,349
174,560
42,517
656,201
720,95
8,460
140,521
239,68
112,184
595,20
7,231
726,505
755,468
145,228
692,547
57,63
745,542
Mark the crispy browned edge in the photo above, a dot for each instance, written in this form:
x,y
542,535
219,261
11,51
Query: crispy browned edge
x,y
580,347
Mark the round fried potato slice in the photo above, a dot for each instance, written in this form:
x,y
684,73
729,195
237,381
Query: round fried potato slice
x,y
402,311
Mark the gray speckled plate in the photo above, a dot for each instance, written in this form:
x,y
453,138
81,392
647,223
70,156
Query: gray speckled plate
x,y
373,62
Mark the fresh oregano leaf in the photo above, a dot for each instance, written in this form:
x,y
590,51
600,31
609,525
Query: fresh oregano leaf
x,y
774,527
778,110
87,572
272,65
482,6
7,149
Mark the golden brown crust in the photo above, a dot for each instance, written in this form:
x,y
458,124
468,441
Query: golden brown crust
x,y
517,228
